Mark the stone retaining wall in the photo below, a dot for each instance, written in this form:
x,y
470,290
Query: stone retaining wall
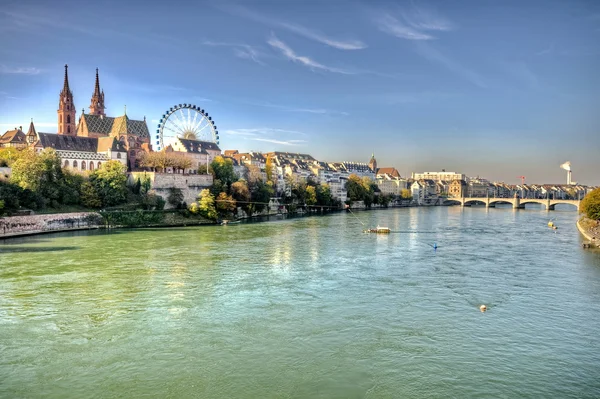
x,y
190,185
23,225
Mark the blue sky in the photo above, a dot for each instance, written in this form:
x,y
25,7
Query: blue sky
x,y
484,87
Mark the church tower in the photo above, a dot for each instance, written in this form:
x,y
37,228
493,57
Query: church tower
x,y
66,109
373,163
97,104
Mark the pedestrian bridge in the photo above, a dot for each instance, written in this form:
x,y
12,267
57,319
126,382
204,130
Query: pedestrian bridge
x,y
517,203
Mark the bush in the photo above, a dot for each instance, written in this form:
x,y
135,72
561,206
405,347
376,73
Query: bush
x,y
590,205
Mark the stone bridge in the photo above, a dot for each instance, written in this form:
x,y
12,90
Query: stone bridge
x,y
517,203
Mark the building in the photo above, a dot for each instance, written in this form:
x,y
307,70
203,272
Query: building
x,y
373,163
94,130
457,188
81,153
437,176
14,138
199,152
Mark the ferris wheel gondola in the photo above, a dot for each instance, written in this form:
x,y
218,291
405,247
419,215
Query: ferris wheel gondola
x,y
185,121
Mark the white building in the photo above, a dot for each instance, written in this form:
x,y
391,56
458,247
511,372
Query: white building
x,y
438,176
82,153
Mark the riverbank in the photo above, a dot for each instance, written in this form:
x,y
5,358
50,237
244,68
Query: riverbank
x,y
21,226
590,229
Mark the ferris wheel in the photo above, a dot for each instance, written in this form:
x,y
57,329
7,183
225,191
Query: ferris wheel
x,y
185,121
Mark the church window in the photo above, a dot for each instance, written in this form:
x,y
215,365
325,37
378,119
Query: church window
x,y
118,155
68,118
82,165
91,165
69,129
99,164
67,163
74,164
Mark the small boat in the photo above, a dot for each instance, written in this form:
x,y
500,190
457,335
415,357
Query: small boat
x,y
379,230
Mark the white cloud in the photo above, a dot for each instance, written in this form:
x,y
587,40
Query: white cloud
x,y
319,37
413,23
19,70
269,135
282,142
319,111
348,44
240,50
303,60
392,26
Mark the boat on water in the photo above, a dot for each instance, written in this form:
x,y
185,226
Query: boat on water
x,y
226,222
379,230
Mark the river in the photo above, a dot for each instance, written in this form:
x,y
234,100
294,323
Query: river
x,y
306,308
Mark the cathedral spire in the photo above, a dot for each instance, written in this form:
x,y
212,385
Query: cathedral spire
x,y
97,88
97,103
66,83
66,108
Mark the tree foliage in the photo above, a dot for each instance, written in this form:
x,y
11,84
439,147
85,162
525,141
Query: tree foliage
x,y
225,204
109,182
590,205
175,198
361,189
159,161
222,170
205,206
406,194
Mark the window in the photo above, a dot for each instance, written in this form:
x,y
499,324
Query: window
x,y
99,164
60,118
118,155
68,118
91,165
74,164
69,129
66,163
82,165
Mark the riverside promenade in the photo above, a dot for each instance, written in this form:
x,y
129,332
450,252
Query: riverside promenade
x,y
590,229
17,226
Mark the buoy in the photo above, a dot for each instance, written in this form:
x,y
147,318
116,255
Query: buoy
x,y
483,308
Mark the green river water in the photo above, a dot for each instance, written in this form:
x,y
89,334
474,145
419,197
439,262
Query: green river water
x,y
306,308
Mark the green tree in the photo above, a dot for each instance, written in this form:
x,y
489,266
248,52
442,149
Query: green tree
x,y
355,188
260,195
9,155
205,206
71,187
175,198
269,168
89,196
41,173
222,170
109,182
590,205
324,196
311,195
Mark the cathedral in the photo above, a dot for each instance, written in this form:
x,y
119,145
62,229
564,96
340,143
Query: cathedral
x,y
85,143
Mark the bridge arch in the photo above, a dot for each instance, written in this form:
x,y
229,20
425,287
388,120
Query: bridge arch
x,y
475,202
502,201
526,201
452,201
570,206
